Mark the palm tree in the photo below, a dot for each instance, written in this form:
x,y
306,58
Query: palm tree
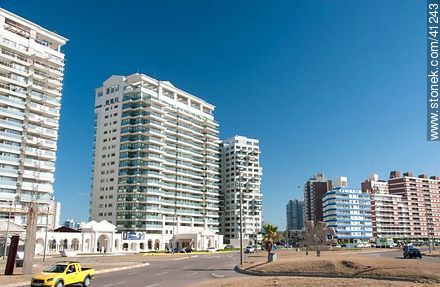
x,y
270,237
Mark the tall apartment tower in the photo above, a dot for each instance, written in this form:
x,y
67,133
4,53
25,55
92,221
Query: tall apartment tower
x,y
31,81
390,216
156,158
295,215
241,174
422,194
314,190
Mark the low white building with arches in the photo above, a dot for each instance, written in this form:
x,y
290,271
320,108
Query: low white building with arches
x,y
102,236
92,237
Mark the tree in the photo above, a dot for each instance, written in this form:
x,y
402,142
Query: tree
x,y
270,237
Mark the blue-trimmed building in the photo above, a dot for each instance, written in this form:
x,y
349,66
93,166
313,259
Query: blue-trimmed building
x,y
348,211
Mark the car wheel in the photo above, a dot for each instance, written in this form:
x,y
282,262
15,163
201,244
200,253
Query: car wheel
x,y
59,284
86,282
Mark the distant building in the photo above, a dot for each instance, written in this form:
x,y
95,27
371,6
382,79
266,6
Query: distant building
x,y
348,211
70,223
241,172
314,190
390,215
295,215
422,194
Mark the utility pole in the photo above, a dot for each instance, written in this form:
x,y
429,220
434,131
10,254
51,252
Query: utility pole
x,y
31,234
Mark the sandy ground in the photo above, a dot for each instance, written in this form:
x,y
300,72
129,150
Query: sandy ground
x,y
359,263
306,282
343,263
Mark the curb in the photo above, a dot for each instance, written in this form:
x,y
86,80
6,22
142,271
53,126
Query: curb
x,y
26,283
322,275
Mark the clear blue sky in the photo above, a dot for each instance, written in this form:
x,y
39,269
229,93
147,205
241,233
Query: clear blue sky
x,y
331,86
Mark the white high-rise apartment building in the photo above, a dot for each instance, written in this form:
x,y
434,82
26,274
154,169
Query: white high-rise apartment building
x,y
31,81
156,158
241,173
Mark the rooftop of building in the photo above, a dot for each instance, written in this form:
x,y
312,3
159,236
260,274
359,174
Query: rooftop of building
x,y
22,21
136,78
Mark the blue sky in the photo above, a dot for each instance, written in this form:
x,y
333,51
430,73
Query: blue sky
x,y
331,86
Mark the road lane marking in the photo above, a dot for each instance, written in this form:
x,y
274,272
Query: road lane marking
x,y
218,275
161,273
187,266
191,274
114,284
132,273
181,258
212,267
152,285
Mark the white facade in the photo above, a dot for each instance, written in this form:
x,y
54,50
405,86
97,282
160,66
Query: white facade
x,y
156,163
31,76
348,211
241,172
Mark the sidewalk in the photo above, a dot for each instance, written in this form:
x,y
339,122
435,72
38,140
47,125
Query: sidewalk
x,y
101,264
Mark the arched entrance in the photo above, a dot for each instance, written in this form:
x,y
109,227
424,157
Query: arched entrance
x,y
75,244
102,244
117,244
150,244
64,244
53,245
125,246
157,244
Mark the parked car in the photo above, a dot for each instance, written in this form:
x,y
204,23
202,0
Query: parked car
x,y
188,250
212,249
411,252
62,274
249,249
229,246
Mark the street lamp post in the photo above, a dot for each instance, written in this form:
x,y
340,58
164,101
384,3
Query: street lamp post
x,y
241,216
47,227
246,157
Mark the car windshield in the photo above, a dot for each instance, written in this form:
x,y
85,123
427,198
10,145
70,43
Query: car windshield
x,y
57,268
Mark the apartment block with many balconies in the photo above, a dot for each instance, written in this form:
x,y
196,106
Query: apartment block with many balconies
x,y
156,160
422,194
241,175
389,212
31,81
348,211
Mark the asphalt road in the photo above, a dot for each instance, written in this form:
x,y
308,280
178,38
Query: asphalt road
x,y
170,272
397,253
